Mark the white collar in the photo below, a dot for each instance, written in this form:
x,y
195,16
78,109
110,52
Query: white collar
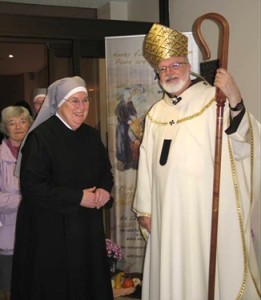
x,y
57,115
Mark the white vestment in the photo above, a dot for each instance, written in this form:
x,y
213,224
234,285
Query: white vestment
x,y
175,188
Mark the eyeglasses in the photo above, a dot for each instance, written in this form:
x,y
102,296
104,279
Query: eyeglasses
x,y
171,67
77,102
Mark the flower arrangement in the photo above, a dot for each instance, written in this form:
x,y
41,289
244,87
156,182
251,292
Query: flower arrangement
x,y
113,250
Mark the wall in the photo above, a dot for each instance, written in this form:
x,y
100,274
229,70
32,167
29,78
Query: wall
x,y
113,11
144,10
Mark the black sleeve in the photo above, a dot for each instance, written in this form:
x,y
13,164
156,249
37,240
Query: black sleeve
x,y
234,123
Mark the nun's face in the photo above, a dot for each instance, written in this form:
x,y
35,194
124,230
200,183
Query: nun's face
x,y
75,110
38,102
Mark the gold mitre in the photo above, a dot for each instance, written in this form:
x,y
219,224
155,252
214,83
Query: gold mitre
x,y
162,42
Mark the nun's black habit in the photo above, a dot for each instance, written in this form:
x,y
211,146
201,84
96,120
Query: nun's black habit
x,y
60,251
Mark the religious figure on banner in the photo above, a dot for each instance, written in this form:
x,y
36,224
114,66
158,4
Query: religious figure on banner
x,y
128,131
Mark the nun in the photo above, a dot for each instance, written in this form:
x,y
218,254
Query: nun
x,y
66,180
38,98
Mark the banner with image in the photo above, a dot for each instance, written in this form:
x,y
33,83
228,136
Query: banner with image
x,y
132,88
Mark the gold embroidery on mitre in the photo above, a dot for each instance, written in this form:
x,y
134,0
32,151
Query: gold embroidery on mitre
x,y
162,42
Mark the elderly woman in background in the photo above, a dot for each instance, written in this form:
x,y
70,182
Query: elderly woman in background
x,y
66,180
38,98
15,123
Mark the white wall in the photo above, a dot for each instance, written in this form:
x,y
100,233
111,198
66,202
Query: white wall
x,y
113,10
137,10
144,10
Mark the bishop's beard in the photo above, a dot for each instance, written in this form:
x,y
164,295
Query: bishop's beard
x,y
172,87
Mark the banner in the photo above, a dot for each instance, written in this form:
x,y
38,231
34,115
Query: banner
x,y
132,88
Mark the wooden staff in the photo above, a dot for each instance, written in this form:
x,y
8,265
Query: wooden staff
x,y
220,99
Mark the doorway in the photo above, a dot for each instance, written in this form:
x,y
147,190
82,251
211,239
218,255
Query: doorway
x,y
23,67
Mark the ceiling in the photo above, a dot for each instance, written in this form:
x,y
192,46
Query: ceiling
x,y
68,3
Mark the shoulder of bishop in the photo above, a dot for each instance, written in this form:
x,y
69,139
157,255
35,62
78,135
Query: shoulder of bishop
x,y
164,112
160,113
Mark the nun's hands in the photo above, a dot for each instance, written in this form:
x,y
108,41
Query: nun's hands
x,y
101,197
88,198
95,198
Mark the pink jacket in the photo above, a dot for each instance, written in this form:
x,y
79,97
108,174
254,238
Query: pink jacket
x,y
9,199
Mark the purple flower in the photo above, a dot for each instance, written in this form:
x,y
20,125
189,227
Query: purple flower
x,y
113,250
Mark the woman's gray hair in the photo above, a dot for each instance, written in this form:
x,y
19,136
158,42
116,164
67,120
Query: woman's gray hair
x,y
11,112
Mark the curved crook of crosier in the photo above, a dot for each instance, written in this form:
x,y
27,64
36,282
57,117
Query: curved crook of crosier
x,y
220,20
